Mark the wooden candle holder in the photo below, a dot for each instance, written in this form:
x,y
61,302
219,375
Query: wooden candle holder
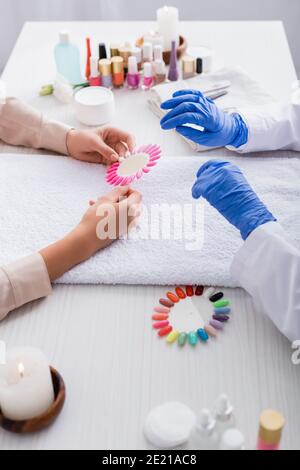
x,y
45,419
181,49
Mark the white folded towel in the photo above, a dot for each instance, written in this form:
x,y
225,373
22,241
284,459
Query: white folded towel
x,y
43,197
244,92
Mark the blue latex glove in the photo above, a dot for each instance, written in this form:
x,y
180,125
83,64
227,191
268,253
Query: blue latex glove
x,y
219,128
225,188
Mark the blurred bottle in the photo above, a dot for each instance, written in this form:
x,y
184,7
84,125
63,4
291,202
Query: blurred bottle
x,y
223,415
204,435
67,59
232,439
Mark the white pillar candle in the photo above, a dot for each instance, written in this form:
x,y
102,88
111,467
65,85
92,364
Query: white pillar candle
x,y
168,26
26,388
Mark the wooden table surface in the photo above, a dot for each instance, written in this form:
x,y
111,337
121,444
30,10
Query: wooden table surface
x,y
100,337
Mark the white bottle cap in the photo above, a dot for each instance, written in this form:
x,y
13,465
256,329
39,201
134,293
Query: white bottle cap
x,y
137,53
132,65
232,439
224,409
94,66
159,67
148,72
157,52
147,51
64,37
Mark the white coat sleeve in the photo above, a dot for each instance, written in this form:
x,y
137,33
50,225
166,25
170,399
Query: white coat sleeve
x,y
272,127
268,268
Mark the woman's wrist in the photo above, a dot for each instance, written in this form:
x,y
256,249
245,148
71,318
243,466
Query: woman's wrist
x,y
66,253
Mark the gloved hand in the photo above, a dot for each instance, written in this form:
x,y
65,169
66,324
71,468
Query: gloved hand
x,y
224,186
219,128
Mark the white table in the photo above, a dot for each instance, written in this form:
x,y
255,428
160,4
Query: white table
x,y
100,337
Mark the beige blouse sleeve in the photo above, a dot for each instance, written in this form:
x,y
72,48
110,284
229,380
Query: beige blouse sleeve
x,y
23,281
21,124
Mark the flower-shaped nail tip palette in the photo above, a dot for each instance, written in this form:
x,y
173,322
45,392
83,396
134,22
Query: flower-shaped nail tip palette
x,y
213,305
133,167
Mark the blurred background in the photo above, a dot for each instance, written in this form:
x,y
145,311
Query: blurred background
x,y
13,13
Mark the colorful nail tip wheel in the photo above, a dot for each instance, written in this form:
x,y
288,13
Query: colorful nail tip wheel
x,y
216,296
216,324
172,337
222,311
192,337
134,166
180,293
189,291
202,334
182,338
199,290
166,303
222,318
171,296
165,331
160,316
162,309
209,292
221,303
211,331
160,324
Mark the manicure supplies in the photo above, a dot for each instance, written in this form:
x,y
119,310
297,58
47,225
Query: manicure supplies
x,y
271,424
204,435
133,77
67,59
173,71
114,49
88,59
102,51
94,78
213,304
169,425
94,106
188,67
232,439
134,166
117,71
147,52
106,72
148,78
223,414
159,71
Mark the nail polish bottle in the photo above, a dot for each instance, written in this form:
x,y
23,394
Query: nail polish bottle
x,y
157,52
137,52
159,71
125,53
133,77
204,435
232,439
102,51
88,59
147,52
223,415
117,71
188,67
173,70
199,65
148,78
95,79
114,49
105,70
271,424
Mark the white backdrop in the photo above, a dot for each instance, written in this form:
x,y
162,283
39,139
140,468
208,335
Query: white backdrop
x,y
13,13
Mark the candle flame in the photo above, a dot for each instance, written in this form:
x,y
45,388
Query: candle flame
x,y
21,369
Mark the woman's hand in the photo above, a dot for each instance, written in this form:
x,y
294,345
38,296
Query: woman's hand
x,y
101,145
110,217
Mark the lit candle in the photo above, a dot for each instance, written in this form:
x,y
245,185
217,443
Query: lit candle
x,y
168,26
26,388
